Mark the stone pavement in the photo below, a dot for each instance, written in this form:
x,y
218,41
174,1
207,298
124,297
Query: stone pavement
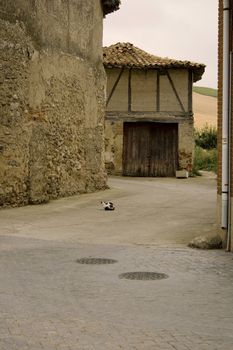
x,y
49,301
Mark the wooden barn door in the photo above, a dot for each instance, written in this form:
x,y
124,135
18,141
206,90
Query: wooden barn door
x,y
150,149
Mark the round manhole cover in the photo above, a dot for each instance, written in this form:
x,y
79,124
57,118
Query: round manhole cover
x,y
96,261
143,276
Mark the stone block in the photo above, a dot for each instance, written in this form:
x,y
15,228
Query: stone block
x,y
182,174
206,242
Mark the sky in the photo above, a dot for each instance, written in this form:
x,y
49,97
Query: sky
x,y
179,29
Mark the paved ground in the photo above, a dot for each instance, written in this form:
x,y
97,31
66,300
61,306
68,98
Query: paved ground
x,y
49,301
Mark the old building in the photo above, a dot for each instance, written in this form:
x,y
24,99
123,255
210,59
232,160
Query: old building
x,y
149,118
52,98
225,122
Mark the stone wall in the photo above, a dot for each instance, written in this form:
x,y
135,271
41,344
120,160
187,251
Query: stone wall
x,y
186,143
114,146
52,100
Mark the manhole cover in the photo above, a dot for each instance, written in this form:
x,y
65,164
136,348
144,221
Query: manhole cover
x,y
143,276
96,261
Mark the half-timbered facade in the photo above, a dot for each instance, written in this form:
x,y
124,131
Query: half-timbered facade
x,y
149,115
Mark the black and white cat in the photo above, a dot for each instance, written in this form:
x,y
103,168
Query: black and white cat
x,y
108,205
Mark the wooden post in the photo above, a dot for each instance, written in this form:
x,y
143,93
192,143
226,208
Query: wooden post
x,y
129,91
158,92
190,91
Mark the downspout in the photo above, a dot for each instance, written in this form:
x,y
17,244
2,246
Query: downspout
x,y
225,118
228,245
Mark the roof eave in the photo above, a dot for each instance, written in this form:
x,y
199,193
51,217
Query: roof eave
x,y
197,71
110,6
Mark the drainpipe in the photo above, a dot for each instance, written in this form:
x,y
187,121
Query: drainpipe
x,y
228,245
225,118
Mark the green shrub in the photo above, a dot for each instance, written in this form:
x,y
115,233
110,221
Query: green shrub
x,y
205,153
204,159
206,137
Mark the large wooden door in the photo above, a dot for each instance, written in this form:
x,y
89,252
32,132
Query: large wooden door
x,y
150,149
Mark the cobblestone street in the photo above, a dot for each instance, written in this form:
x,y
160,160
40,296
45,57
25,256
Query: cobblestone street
x,y
49,301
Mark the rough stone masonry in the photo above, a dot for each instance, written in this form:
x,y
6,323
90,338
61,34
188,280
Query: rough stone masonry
x,y
52,100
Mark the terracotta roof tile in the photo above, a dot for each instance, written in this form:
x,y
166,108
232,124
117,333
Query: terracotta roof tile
x,y
130,56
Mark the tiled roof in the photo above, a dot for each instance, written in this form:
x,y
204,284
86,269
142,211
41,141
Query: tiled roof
x,y
110,6
129,56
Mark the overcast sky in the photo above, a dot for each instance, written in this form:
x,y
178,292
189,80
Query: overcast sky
x,y
181,29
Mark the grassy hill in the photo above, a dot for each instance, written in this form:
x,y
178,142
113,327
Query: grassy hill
x,y
205,110
205,91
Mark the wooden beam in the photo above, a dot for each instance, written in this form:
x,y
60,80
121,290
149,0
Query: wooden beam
x,y
147,118
115,85
129,91
175,91
150,114
158,92
190,91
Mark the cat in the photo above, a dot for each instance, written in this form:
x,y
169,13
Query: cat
x,y
108,205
